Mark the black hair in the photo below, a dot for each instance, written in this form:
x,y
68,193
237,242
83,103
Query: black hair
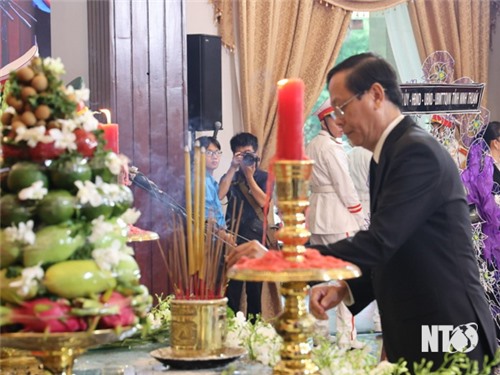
x,y
242,140
207,141
492,132
366,69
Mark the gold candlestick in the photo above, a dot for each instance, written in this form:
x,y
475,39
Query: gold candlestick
x,y
295,324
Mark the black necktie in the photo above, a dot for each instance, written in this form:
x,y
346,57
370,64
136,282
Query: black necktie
x,y
373,171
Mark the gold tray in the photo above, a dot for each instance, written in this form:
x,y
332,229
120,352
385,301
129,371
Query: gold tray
x,y
295,274
169,357
57,351
143,236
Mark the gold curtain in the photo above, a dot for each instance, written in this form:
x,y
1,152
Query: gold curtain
x,y
460,27
223,17
364,5
283,39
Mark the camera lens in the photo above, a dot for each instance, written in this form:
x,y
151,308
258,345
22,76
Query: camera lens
x,y
249,159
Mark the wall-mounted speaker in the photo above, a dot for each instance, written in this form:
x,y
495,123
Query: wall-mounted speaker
x,y
204,82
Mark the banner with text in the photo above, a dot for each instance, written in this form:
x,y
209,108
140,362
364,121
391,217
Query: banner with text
x,y
422,98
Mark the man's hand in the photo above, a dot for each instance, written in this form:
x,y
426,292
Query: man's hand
x,y
248,170
325,296
236,161
252,249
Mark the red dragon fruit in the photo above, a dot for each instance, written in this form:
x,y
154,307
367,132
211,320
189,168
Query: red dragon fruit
x,y
43,315
125,316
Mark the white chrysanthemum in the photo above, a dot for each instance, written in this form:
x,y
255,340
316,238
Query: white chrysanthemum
x,y
100,227
130,216
88,193
65,138
22,233
36,191
55,65
30,277
32,135
109,257
114,163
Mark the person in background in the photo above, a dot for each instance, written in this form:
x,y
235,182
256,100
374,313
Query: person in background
x,y
244,185
359,168
335,211
492,138
358,159
213,206
488,208
416,257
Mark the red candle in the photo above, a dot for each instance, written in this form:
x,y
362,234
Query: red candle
x,y
290,143
110,136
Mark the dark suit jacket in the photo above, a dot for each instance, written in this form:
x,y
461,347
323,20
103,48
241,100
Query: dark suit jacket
x,y
417,256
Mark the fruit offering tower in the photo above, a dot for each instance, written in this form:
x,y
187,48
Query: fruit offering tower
x,y
64,261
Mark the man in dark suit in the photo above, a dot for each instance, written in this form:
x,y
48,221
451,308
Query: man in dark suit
x,y
416,257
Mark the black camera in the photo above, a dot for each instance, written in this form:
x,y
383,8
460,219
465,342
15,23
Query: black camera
x,y
249,159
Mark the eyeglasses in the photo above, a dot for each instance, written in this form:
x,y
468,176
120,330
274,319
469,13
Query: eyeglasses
x,y
338,110
213,153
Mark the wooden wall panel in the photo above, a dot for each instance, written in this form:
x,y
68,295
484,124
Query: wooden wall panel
x,y
18,35
147,98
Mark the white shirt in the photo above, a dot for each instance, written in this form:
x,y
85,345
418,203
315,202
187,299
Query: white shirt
x,y
383,137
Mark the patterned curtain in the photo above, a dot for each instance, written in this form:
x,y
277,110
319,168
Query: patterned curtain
x,y
276,40
364,5
460,27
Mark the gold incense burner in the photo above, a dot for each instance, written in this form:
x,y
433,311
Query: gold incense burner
x,y
295,324
198,327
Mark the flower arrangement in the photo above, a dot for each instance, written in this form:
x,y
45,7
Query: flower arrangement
x,y
64,260
263,344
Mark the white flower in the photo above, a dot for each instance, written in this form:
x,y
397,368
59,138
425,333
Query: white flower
x,y
88,193
87,121
65,138
497,199
35,191
100,228
383,368
81,95
10,110
68,125
114,163
130,216
23,233
30,277
32,135
155,322
110,191
109,257
54,65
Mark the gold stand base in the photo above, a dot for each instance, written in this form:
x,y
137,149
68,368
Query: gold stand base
x,y
295,326
57,351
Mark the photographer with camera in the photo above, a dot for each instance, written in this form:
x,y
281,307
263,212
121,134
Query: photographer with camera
x,y
245,182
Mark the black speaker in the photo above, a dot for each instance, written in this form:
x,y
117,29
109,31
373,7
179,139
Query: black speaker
x,y
204,81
